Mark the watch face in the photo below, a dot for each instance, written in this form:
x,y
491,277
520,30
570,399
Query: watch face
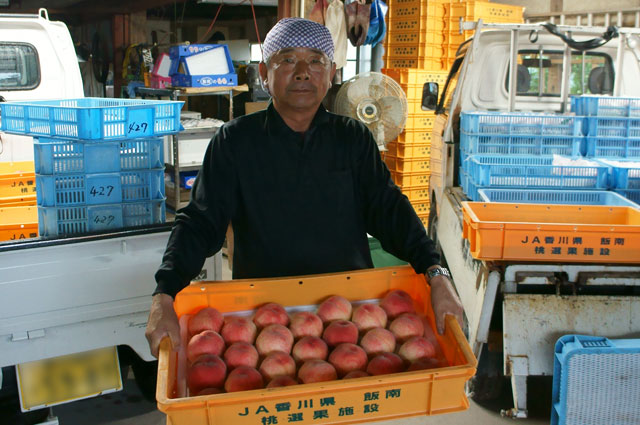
x,y
438,272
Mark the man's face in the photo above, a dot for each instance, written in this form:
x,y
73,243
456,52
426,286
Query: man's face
x,y
298,78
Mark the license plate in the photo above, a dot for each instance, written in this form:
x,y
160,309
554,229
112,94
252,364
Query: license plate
x,y
67,378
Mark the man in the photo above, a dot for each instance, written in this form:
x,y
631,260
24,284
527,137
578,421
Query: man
x,y
301,186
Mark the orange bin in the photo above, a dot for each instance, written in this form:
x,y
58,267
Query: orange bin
x,y
541,232
18,223
17,179
368,399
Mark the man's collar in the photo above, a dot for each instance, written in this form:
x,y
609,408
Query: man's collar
x,y
274,123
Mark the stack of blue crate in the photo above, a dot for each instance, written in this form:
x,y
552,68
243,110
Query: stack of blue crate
x,y
99,162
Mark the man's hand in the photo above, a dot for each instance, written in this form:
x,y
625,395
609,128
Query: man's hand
x,y
444,300
162,322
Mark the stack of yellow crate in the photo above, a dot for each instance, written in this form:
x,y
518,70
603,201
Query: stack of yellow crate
x,y
422,39
18,211
472,10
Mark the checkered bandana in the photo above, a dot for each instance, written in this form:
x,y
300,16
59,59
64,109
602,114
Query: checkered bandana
x,y
297,32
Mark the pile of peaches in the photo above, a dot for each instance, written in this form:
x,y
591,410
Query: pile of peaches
x,y
338,341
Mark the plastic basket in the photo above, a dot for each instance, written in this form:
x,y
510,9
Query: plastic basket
x,y
539,232
410,180
415,136
595,381
520,144
18,201
613,127
416,76
400,150
92,118
18,222
421,121
100,188
416,9
55,156
494,12
17,179
541,196
431,63
623,174
606,106
74,220
612,147
395,395
421,208
521,123
416,194
429,23
395,38
415,50
533,172
404,165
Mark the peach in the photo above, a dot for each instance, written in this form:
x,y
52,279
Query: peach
x,y
317,371
207,318
282,381
238,329
208,391
369,316
241,354
206,372
305,323
378,340
310,347
424,363
348,357
277,363
397,302
243,378
355,374
274,338
333,308
206,342
416,348
269,314
406,326
340,331
385,363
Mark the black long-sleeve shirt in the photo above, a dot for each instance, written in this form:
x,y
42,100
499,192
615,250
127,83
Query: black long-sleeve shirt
x,y
299,203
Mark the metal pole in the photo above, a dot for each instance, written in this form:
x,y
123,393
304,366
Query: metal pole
x,y
566,70
513,69
619,63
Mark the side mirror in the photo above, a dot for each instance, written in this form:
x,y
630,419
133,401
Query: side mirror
x,y
429,96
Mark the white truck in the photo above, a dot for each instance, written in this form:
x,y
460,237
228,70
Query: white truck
x,y
66,296
516,311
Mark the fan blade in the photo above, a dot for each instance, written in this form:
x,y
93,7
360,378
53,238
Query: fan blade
x,y
394,111
358,89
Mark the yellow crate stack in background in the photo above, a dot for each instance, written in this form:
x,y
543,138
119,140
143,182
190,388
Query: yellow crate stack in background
x,y
422,39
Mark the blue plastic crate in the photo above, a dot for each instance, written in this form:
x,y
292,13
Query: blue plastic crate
x,y
606,106
533,172
595,381
612,127
55,156
632,195
520,144
521,123
612,147
73,220
545,196
92,118
623,174
99,188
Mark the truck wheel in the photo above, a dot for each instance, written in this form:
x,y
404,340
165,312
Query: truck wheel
x,y
146,376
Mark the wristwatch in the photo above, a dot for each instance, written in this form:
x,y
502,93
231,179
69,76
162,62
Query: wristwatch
x,y
438,271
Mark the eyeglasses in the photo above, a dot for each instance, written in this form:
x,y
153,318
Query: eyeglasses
x,y
316,62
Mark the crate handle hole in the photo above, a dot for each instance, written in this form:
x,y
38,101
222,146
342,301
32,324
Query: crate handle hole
x,y
300,283
348,277
251,285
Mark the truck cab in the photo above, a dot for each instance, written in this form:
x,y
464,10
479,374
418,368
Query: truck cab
x,y
515,311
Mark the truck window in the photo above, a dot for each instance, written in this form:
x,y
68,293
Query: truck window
x,y
19,67
540,73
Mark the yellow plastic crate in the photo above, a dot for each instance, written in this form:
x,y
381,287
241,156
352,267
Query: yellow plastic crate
x,y
394,395
455,10
17,179
434,64
395,38
410,180
541,232
435,51
494,12
424,219
415,76
410,137
421,207
416,194
416,24
455,38
406,165
416,9
420,121
400,150
18,223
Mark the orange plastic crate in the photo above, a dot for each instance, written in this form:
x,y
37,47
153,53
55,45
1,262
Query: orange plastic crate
x,y
416,194
401,150
410,180
18,201
430,63
416,24
441,389
421,121
17,179
416,9
18,223
406,165
540,232
421,207
415,76
494,12
410,137
415,50
395,38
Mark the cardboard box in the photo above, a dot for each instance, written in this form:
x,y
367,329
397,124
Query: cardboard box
x,y
251,107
